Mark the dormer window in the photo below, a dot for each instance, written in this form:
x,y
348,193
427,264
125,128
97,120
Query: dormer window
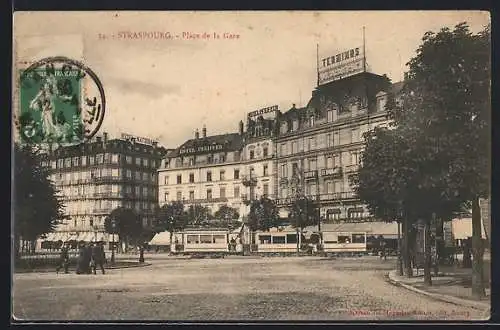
x,y
381,101
311,121
284,127
295,124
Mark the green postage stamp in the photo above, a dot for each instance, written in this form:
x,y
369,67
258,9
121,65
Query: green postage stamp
x,y
50,108
61,101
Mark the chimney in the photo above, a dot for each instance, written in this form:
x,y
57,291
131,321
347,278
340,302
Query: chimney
x,y
293,106
241,127
155,144
105,136
204,131
132,140
98,139
196,134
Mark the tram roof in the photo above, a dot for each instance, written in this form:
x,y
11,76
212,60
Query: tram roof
x,y
370,228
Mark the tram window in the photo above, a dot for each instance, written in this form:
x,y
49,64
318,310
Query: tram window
x,y
192,239
219,239
206,239
291,238
278,239
358,238
265,239
344,239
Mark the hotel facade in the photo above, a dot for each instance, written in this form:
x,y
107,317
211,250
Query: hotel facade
x,y
96,177
320,145
227,169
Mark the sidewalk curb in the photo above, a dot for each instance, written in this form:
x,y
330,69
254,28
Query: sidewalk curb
x,y
131,266
446,298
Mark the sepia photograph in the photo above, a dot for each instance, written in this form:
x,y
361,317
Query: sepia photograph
x,y
251,166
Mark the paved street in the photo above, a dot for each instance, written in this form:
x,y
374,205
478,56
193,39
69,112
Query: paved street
x,y
292,288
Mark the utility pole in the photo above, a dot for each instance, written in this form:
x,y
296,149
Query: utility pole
x,y
400,260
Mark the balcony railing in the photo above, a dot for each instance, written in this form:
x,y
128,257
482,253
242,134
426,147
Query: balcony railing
x,y
102,210
311,175
351,168
107,179
109,195
205,200
338,196
322,197
249,180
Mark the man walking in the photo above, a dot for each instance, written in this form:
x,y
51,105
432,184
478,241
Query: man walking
x,y
64,259
98,257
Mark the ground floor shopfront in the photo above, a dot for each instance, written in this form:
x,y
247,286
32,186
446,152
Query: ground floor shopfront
x,y
54,240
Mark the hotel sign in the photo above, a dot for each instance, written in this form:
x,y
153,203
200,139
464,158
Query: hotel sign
x,y
262,111
311,174
138,139
330,171
201,149
342,65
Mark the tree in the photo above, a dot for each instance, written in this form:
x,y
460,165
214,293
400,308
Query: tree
x,y
227,216
383,178
128,225
37,209
198,215
172,217
445,117
263,215
303,213
226,212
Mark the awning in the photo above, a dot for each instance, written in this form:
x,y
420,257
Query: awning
x,y
49,237
161,239
116,237
462,228
72,237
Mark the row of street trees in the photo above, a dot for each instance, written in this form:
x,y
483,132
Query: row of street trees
x,y
37,209
434,160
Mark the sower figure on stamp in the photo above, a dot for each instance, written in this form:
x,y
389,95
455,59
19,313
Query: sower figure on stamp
x,y
98,257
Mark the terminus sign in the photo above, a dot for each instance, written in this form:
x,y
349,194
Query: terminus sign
x,y
352,53
341,65
201,149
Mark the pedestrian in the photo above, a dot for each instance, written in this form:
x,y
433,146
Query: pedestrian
x,y
382,247
141,253
98,257
80,264
88,258
64,259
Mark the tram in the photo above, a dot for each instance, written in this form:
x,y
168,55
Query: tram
x,y
284,242
206,241
343,242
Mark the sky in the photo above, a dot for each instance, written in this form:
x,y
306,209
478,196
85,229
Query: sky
x,y
164,89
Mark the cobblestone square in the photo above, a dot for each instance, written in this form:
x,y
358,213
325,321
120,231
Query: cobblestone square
x,y
243,289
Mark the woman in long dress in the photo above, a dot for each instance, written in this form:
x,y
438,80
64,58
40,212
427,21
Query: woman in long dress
x,y
44,101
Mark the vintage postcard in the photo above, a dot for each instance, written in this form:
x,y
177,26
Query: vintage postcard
x,y
251,166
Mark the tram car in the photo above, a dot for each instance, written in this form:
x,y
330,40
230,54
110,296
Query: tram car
x,y
335,243
277,242
207,242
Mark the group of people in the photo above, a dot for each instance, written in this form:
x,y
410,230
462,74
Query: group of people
x,y
90,256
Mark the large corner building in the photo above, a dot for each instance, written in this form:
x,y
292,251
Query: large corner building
x,y
96,177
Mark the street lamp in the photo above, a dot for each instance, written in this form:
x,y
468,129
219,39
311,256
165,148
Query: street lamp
x,y
113,226
400,259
